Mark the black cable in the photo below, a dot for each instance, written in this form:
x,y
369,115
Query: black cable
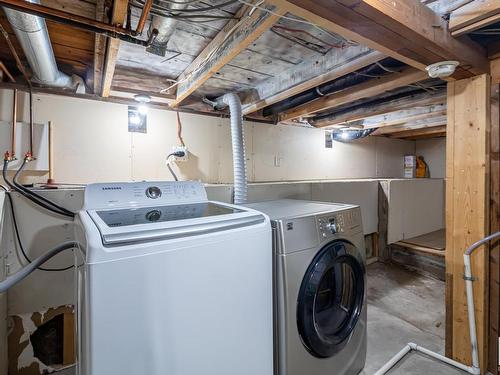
x,y
179,154
38,199
21,247
22,192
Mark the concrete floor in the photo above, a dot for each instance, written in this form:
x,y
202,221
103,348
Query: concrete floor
x,y
404,307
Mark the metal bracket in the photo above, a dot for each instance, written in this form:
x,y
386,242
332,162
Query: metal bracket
x,y
469,278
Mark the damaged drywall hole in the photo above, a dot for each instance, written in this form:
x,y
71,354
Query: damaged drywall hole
x,y
48,341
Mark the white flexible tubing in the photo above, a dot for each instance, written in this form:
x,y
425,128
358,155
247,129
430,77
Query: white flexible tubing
x,y
474,369
392,362
238,142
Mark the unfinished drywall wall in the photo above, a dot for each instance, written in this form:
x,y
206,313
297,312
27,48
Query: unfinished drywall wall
x,y
434,153
92,143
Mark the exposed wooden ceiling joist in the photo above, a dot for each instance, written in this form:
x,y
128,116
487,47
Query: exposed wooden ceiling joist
x,y
367,89
229,42
370,110
437,131
405,116
117,18
99,49
439,120
406,30
473,16
310,74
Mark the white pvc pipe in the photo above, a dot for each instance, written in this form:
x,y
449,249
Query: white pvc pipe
x,y
238,141
475,368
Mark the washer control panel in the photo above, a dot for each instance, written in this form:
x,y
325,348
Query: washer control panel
x,y
136,194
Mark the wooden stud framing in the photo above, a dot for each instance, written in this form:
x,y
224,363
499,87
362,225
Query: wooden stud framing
x,y
467,211
118,18
473,16
494,259
231,40
406,30
433,131
367,89
310,74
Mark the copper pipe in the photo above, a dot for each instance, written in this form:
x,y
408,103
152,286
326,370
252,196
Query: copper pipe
x,y
29,154
7,73
14,123
144,16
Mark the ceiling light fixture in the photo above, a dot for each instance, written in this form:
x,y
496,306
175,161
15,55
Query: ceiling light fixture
x,y
442,69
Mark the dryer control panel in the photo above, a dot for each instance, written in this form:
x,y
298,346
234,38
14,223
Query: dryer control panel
x,y
139,194
339,223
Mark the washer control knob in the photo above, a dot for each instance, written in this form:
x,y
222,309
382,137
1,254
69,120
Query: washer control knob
x,y
153,215
153,192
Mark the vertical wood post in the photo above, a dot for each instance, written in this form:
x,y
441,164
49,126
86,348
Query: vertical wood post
x,y
467,211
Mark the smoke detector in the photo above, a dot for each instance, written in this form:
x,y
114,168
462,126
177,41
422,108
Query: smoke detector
x,y
442,69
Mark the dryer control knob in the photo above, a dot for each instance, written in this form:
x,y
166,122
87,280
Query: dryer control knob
x,y
332,227
153,192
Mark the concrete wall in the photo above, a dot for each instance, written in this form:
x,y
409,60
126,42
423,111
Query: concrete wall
x,y
434,152
92,143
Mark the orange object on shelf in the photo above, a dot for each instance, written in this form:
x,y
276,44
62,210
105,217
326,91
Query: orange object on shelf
x,y
422,168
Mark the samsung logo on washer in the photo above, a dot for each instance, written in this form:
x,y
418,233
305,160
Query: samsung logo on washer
x,y
112,188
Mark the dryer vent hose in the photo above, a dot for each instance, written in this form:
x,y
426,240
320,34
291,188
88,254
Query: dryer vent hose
x,y
24,272
238,140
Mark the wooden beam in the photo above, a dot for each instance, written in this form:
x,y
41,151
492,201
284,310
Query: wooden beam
x,y
473,16
361,112
366,89
310,74
231,40
117,18
405,116
467,211
413,125
406,30
420,132
494,258
99,49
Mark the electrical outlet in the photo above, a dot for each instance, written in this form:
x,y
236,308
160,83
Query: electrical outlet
x,y
182,149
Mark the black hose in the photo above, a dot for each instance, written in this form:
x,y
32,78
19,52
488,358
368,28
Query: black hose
x,y
38,199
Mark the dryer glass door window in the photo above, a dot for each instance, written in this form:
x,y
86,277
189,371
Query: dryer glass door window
x,y
330,299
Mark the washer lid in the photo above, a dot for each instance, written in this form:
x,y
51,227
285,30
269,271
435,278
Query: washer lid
x,y
142,224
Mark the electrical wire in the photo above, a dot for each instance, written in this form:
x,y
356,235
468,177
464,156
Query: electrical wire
x,y
21,246
170,168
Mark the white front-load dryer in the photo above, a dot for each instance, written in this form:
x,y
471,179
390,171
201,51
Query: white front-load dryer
x,y
173,284
320,287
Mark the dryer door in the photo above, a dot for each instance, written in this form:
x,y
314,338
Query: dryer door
x,y
330,299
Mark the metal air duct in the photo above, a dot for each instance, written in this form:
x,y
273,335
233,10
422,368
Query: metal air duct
x,y
32,34
166,28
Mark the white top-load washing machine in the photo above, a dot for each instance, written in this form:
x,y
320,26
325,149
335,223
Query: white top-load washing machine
x,y
320,287
173,284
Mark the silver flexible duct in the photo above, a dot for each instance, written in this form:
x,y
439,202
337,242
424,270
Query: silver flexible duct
x,y
238,140
31,32
166,28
